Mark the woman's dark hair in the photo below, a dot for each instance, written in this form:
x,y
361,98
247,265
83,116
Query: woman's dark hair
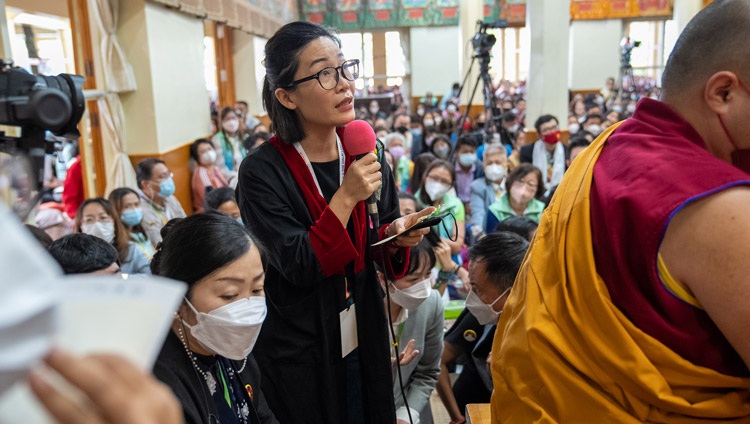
x,y
122,237
194,148
423,251
437,163
444,138
420,166
196,246
217,197
249,143
80,253
281,62
521,171
502,254
116,198
521,225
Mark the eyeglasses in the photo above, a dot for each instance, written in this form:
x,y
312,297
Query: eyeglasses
x,y
328,78
163,177
530,184
439,180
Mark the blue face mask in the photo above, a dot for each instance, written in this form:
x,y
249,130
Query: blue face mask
x,y
239,221
166,188
132,217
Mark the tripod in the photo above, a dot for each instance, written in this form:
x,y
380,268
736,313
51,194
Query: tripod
x,y
490,101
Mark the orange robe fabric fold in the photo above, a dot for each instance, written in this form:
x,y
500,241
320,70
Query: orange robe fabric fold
x,y
563,352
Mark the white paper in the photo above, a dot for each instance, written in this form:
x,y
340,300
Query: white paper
x,y
104,315
348,321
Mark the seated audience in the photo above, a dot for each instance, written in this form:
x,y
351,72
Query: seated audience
x,y
486,190
206,173
128,205
416,315
222,200
493,264
467,168
98,217
522,186
206,359
228,145
157,193
85,254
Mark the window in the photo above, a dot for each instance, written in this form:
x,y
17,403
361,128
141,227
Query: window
x,y
657,40
40,43
510,54
360,46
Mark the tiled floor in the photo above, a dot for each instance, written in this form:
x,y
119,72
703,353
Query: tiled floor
x,y
439,414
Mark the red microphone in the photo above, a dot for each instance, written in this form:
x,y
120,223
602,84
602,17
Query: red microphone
x,y
359,139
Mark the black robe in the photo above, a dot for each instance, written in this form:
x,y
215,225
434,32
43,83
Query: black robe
x,y
174,368
299,348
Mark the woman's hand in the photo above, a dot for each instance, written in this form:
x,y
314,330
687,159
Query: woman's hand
x,y
117,391
413,237
362,178
407,355
443,255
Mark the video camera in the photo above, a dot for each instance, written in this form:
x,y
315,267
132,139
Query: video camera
x,y
626,49
31,105
482,41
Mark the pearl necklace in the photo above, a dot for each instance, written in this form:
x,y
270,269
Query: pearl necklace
x,y
210,380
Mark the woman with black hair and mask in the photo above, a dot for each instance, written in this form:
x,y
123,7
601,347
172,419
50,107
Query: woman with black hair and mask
x,y
206,359
323,350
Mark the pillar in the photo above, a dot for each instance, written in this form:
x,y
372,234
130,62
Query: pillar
x,y
548,23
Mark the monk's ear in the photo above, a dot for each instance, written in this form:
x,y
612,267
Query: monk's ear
x,y
285,98
720,91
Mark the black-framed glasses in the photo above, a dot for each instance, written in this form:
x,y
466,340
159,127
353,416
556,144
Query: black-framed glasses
x,y
328,78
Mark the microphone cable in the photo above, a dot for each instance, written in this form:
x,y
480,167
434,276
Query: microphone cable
x,y
388,280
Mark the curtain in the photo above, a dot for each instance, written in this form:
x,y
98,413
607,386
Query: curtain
x,y
118,73
112,120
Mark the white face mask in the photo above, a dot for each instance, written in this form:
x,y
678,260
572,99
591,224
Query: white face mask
x,y
208,157
435,189
494,172
413,296
451,108
429,123
483,312
103,230
231,125
231,330
594,129
574,128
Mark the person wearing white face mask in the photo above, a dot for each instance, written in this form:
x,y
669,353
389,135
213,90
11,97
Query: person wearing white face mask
x,y
523,186
206,359
485,191
494,263
416,313
206,173
228,145
97,217
437,190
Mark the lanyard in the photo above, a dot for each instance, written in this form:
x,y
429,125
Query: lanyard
x,y
302,153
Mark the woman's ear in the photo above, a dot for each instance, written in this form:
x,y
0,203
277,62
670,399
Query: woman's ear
x,y
285,98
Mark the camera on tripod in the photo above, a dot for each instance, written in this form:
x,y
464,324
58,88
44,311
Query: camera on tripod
x,y
482,41
626,50
31,105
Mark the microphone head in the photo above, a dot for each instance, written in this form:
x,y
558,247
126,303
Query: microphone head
x,y
359,138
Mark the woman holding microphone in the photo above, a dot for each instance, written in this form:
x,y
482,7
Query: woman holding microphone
x,y
323,350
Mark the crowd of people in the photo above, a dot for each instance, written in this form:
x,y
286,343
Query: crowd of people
x,y
291,310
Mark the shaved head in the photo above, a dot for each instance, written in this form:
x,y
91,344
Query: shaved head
x,y
716,39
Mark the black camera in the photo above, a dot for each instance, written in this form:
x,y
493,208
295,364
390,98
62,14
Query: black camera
x,y
30,106
483,42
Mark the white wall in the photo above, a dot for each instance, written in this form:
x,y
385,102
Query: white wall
x,y
170,107
179,85
248,71
594,53
435,59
